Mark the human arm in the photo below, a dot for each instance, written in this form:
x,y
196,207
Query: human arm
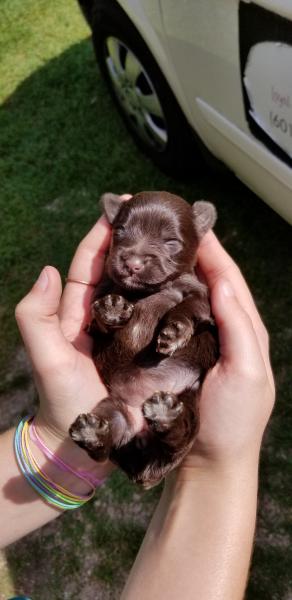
x,y
199,542
52,327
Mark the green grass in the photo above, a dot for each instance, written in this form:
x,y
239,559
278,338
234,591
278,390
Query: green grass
x,y
62,145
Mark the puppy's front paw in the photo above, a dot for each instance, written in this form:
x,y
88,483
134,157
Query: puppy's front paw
x,y
174,336
161,410
112,311
92,433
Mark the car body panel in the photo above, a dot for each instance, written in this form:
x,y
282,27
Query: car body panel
x,y
147,18
207,37
265,174
196,44
281,7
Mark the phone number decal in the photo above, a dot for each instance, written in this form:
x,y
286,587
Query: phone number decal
x,y
280,123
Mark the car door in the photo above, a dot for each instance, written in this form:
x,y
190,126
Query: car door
x,y
202,38
234,108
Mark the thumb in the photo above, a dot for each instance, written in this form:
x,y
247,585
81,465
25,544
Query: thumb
x,y
238,342
38,322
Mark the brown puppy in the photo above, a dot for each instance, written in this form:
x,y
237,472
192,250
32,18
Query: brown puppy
x,y
154,338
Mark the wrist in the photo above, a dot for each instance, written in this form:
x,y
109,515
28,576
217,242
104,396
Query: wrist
x,y
228,473
226,462
64,448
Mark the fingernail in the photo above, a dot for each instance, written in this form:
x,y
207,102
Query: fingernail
x,y
42,280
227,288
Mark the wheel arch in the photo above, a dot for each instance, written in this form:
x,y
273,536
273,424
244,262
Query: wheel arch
x,y
139,14
157,44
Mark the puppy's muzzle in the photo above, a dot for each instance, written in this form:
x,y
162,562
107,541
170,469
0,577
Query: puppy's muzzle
x,y
134,264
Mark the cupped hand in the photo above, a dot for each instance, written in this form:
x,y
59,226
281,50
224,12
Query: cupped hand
x,y
238,393
52,326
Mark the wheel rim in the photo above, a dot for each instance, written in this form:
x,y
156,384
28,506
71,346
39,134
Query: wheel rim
x,y
136,94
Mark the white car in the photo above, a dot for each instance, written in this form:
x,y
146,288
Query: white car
x,y
213,75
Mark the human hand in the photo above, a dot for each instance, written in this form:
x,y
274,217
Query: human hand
x,y
52,326
238,393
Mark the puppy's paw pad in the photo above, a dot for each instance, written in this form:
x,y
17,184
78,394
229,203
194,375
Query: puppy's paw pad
x,y
89,431
174,336
112,310
162,409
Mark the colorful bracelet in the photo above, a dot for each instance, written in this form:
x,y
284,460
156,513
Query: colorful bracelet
x,y
53,493
84,475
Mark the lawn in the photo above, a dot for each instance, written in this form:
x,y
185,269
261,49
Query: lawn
x,y
62,145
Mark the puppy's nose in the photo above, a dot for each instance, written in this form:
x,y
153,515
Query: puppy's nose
x,y
134,264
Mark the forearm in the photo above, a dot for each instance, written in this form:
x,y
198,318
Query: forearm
x,y
199,542
22,510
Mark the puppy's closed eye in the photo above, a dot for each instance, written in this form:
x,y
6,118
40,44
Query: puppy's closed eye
x,y
173,246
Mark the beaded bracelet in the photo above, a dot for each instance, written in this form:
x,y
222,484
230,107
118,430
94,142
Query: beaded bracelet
x,y
53,493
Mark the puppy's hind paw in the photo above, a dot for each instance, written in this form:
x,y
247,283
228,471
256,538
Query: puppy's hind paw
x,y
174,336
93,434
161,410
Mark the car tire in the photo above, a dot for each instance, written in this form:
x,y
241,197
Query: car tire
x,y
122,56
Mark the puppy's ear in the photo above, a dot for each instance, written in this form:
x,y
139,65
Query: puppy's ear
x,y
111,204
205,216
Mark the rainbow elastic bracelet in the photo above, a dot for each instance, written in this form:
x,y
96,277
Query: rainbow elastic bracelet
x,y
85,475
53,493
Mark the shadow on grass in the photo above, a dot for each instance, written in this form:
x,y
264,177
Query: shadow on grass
x,y
62,146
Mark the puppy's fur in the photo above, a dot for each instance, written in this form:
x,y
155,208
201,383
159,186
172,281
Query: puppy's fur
x,y
154,338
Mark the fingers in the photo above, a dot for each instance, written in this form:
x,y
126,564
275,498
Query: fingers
x,y
87,265
88,260
239,347
215,263
125,197
38,322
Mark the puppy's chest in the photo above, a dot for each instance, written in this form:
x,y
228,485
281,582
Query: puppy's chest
x,y
139,384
